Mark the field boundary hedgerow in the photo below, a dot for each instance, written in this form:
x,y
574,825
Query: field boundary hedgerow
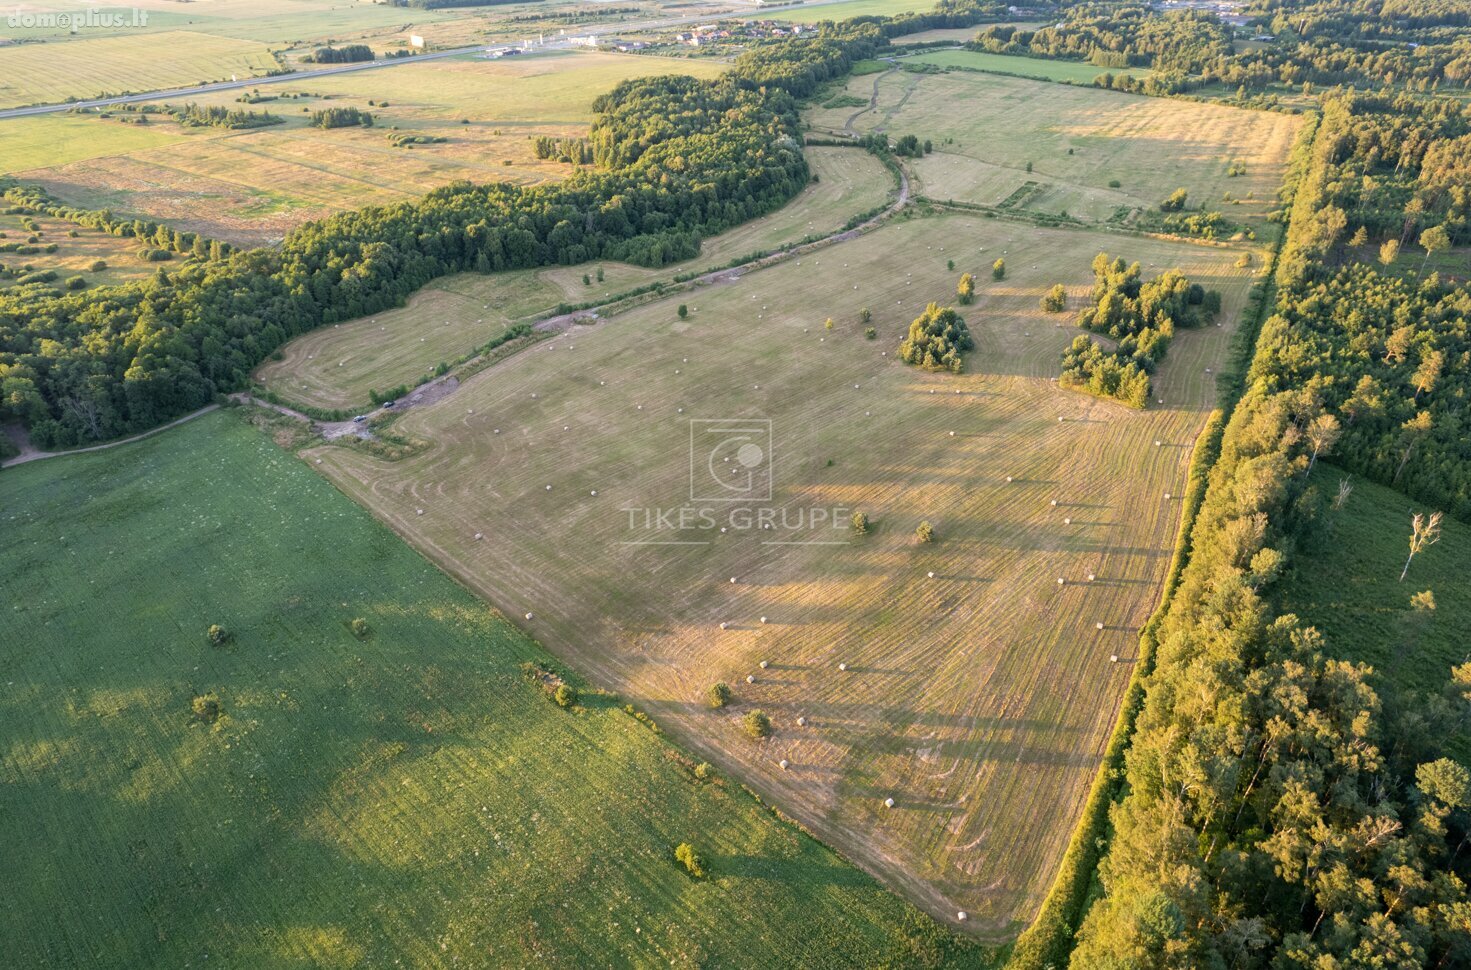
x,y
1049,940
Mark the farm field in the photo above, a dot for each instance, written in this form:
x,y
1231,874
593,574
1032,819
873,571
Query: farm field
x,y
252,187
82,69
812,13
74,256
1150,146
1073,72
978,700
267,21
1360,604
407,795
336,367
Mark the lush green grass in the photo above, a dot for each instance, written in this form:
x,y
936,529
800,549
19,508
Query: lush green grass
x,y
1348,586
407,797
811,13
60,139
1073,72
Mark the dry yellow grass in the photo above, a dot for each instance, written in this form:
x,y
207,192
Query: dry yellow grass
x,y
978,699
89,68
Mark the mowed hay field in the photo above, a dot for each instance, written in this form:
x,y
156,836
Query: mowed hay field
x,y
404,798
1150,146
252,187
82,69
979,699
337,367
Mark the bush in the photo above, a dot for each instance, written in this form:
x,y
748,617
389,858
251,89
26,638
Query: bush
x,y
565,695
925,532
757,724
998,269
206,708
218,635
1176,201
98,265
702,770
359,628
860,523
719,695
1055,299
871,333
76,283
684,311
686,854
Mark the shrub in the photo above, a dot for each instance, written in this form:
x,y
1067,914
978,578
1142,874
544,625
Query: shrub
x,y
690,859
206,708
925,532
871,333
703,770
719,694
359,628
1176,201
1115,184
683,311
98,265
757,724
76,283
218,635
565,695
998,269
860,523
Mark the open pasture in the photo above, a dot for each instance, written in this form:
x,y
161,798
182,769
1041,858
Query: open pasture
x,y
267,21
403,795
1045,69
336,367
979,691
1149,146
81,69
74,256
251,187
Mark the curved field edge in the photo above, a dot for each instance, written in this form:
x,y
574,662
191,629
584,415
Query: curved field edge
x,y
1048,942
349,770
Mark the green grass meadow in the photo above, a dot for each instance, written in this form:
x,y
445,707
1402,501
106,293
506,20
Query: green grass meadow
x,y
1359,602
1073,72
404,798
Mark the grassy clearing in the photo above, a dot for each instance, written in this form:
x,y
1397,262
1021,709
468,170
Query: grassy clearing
x,y
77,70
1034,67
406,796
1359,602
75,256
336,367
1150,146
267,21
252,187
808,14
978,700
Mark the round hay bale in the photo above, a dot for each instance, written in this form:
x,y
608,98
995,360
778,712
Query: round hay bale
x,y
1113,658
801,722
783,763
1100,626
1091,577
763,619
594,492
549,488
764,664
529,616
888,803
418,511
750,678
479,536
1054,503
962,916
842,666
1061,581
932,574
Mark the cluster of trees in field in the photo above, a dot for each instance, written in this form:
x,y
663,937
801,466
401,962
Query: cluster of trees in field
x,y
347,54
676,159
936,340
215,116
1141,318
341,118
575,150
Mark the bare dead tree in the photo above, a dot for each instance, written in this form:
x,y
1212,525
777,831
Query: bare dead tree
x,y
1345,489
1424,533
